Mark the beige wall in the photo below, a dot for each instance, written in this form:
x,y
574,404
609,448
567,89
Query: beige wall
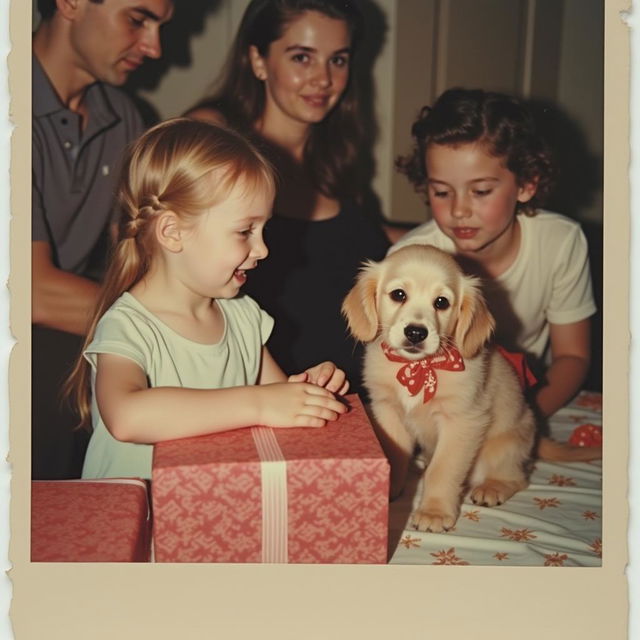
x,y
181,87
547,49
581,80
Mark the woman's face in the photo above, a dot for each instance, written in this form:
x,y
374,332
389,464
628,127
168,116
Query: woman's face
x,y
305,71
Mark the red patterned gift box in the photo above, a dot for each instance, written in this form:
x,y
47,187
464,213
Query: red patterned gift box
x,y
90,521
273,495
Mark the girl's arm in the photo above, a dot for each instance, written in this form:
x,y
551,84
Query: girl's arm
x,y
133,412
570,358
270,370
325,374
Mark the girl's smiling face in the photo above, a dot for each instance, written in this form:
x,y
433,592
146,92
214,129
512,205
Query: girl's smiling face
x,y
473,197
225,242
306,70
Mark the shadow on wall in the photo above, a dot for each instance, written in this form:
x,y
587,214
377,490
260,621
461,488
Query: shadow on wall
x,y
373,41
579,180
579,177
188,20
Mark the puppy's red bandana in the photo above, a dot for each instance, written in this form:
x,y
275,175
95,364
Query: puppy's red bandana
x,y
417,374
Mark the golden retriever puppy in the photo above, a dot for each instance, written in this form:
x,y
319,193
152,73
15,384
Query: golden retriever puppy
x,y
435,382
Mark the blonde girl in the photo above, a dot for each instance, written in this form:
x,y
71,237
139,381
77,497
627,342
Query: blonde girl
x,y
174,349
486,172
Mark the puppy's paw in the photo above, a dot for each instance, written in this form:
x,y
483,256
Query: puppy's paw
x,y
491,493
433,518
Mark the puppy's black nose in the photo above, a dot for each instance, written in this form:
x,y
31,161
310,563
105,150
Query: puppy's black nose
x,y
415,333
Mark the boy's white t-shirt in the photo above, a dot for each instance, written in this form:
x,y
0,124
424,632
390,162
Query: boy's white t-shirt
x,y
549,281
169,360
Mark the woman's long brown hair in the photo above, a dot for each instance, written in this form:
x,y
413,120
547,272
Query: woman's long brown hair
x,y
334,148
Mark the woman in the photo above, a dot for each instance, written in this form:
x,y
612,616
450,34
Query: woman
x,y
288,85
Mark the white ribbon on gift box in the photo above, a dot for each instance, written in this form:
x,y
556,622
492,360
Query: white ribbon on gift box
x,y
273,470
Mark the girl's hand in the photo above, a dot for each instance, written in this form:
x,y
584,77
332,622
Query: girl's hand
x,y
326,375
296,404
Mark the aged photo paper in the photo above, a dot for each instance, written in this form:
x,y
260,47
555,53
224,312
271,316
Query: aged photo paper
x,y
283,602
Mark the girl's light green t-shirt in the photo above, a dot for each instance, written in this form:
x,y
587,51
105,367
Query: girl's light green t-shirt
x,y
128,329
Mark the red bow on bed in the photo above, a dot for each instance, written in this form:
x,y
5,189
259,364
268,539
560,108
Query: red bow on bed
x,y
417,374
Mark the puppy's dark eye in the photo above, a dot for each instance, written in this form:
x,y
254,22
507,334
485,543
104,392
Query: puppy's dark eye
x,y
441,303
398,295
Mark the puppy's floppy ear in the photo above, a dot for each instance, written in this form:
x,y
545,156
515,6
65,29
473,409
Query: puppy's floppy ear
x,y
359,306
475,324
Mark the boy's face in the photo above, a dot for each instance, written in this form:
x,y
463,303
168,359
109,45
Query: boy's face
x,y
112,38
473,196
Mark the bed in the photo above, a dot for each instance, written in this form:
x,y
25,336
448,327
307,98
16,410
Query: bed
x,y
555,522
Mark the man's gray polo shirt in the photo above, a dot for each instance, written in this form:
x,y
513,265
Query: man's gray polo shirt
x,y
75,172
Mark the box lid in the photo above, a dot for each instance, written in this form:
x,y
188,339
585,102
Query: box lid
x,y
349,437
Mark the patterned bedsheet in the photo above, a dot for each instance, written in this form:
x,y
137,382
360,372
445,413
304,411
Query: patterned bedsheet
x,y
555,522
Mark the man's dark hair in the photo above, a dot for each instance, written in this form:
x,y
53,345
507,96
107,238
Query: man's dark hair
x,y
46,8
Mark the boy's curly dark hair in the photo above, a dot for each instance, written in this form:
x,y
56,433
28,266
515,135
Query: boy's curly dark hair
x,y
499,121
46,8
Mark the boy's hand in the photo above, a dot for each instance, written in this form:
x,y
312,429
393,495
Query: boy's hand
x,y
296,404
326,375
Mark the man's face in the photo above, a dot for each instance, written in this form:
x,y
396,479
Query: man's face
x,y
112,38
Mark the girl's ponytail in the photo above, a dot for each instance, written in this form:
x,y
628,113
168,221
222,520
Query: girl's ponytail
x,y
127,265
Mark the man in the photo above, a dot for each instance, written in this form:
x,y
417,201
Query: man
x,y
82,50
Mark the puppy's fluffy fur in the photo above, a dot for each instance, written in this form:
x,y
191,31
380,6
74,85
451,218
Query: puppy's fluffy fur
x,y
477,431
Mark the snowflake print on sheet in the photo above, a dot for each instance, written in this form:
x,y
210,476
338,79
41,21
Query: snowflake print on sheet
x,y
562,481
501,556
518,535
474,516
590,515
448,557
409,542
543,503
596,547
589,401
576,418
555,559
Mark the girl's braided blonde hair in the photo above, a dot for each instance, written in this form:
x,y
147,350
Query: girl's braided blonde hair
x,y
180,165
